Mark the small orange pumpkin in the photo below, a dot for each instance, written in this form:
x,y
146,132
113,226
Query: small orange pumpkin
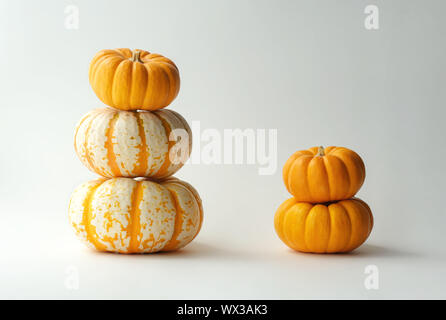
x,y
134,80
323,228
320,175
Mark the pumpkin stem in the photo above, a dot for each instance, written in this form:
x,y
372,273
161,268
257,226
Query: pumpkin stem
x,y
136,56
320,152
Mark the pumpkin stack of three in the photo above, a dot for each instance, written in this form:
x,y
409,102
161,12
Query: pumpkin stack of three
x,y
135,145
323,216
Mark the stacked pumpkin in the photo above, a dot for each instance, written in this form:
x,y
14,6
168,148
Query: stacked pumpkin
x,y
323,216
136,206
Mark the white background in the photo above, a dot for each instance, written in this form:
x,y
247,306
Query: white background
x,y
306,68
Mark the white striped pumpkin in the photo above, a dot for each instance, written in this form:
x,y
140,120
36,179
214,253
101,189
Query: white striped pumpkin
x,y
135,215
116,143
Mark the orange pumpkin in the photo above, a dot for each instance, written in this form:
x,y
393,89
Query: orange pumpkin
x,y
320,175
136,215
323,228
134,80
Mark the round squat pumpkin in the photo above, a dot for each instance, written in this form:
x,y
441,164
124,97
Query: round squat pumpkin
x,y
116,143
135,216
340,226
320,174
134,80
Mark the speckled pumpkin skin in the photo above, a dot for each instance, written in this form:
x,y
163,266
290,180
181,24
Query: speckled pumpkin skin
x,y
340,226
115,143
126,215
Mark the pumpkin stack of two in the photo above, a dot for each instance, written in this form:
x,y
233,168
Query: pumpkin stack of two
x,y
323,216
136,206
